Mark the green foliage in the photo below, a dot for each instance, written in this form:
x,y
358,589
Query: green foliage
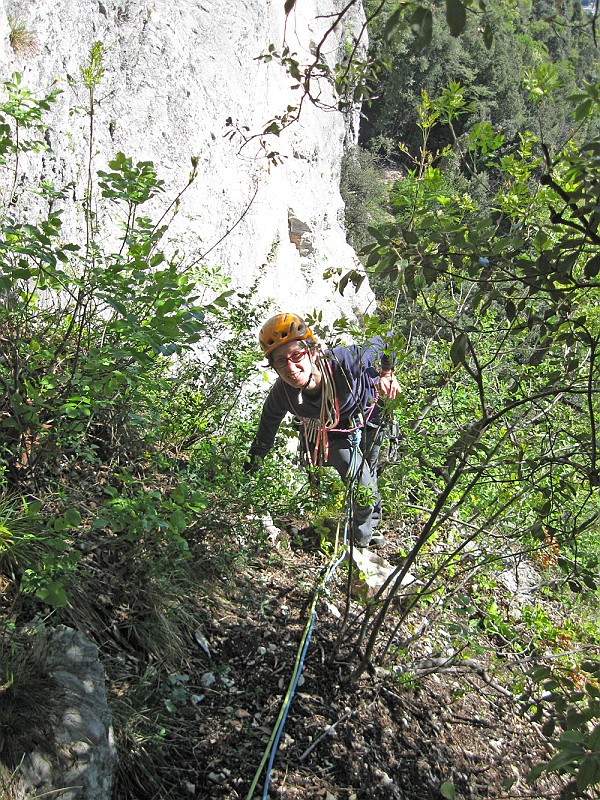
x,y
448,790
499,47
468,281
137,513
203,391
569,707
325,528
488,270
85,330
280,486
20,114
35,549
365,194
110,355
133,184
92,71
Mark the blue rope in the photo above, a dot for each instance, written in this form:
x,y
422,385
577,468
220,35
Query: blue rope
x,y
274,743
287,707
298,671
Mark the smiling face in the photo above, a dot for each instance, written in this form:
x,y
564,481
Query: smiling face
x,y
295,364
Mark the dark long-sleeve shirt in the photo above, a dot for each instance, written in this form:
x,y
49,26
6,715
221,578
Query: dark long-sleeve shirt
x,y
355,377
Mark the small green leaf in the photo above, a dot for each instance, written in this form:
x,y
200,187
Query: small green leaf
x,y
54,594
583,110
448,791
178,520
343,283
588,773
592,268
456,16
564,759
545,509
594,739
590,582
392,24
535,773
572,737
488,37
459,349
72,517
421,24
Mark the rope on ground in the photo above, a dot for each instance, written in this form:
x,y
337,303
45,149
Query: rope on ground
x,y
273,743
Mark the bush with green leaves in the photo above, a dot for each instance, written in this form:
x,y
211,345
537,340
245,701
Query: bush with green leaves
x,y
85,330
568,705
116,351
494,308
36,552
502,305
203,391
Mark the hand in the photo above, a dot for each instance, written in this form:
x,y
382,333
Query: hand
x,y
251,465
389,386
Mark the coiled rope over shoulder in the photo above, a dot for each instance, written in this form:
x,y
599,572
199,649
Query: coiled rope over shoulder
x,y
315,431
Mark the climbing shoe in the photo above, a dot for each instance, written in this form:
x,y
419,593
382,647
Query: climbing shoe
x,y
377,540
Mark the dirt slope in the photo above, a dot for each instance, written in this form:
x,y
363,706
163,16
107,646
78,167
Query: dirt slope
x,y
381,737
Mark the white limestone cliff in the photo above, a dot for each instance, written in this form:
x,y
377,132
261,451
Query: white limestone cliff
x,y
174,74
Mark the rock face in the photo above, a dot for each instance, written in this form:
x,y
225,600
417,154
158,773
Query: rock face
x,y
84,751
179,79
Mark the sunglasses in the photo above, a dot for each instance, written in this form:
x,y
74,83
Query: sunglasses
x,y
295,358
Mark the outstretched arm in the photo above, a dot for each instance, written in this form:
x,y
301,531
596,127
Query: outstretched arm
x,y
389,387
274,410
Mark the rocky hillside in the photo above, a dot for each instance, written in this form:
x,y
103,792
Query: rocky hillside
x,y
198,671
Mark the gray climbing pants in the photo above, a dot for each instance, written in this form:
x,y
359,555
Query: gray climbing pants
x,y
366,506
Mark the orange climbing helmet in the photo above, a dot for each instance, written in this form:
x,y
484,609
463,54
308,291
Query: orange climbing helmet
x,y
283,328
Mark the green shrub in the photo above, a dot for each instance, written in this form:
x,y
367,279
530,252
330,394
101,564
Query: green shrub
x,y
86,331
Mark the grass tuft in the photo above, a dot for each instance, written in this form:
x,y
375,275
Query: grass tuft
x,y
22,40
